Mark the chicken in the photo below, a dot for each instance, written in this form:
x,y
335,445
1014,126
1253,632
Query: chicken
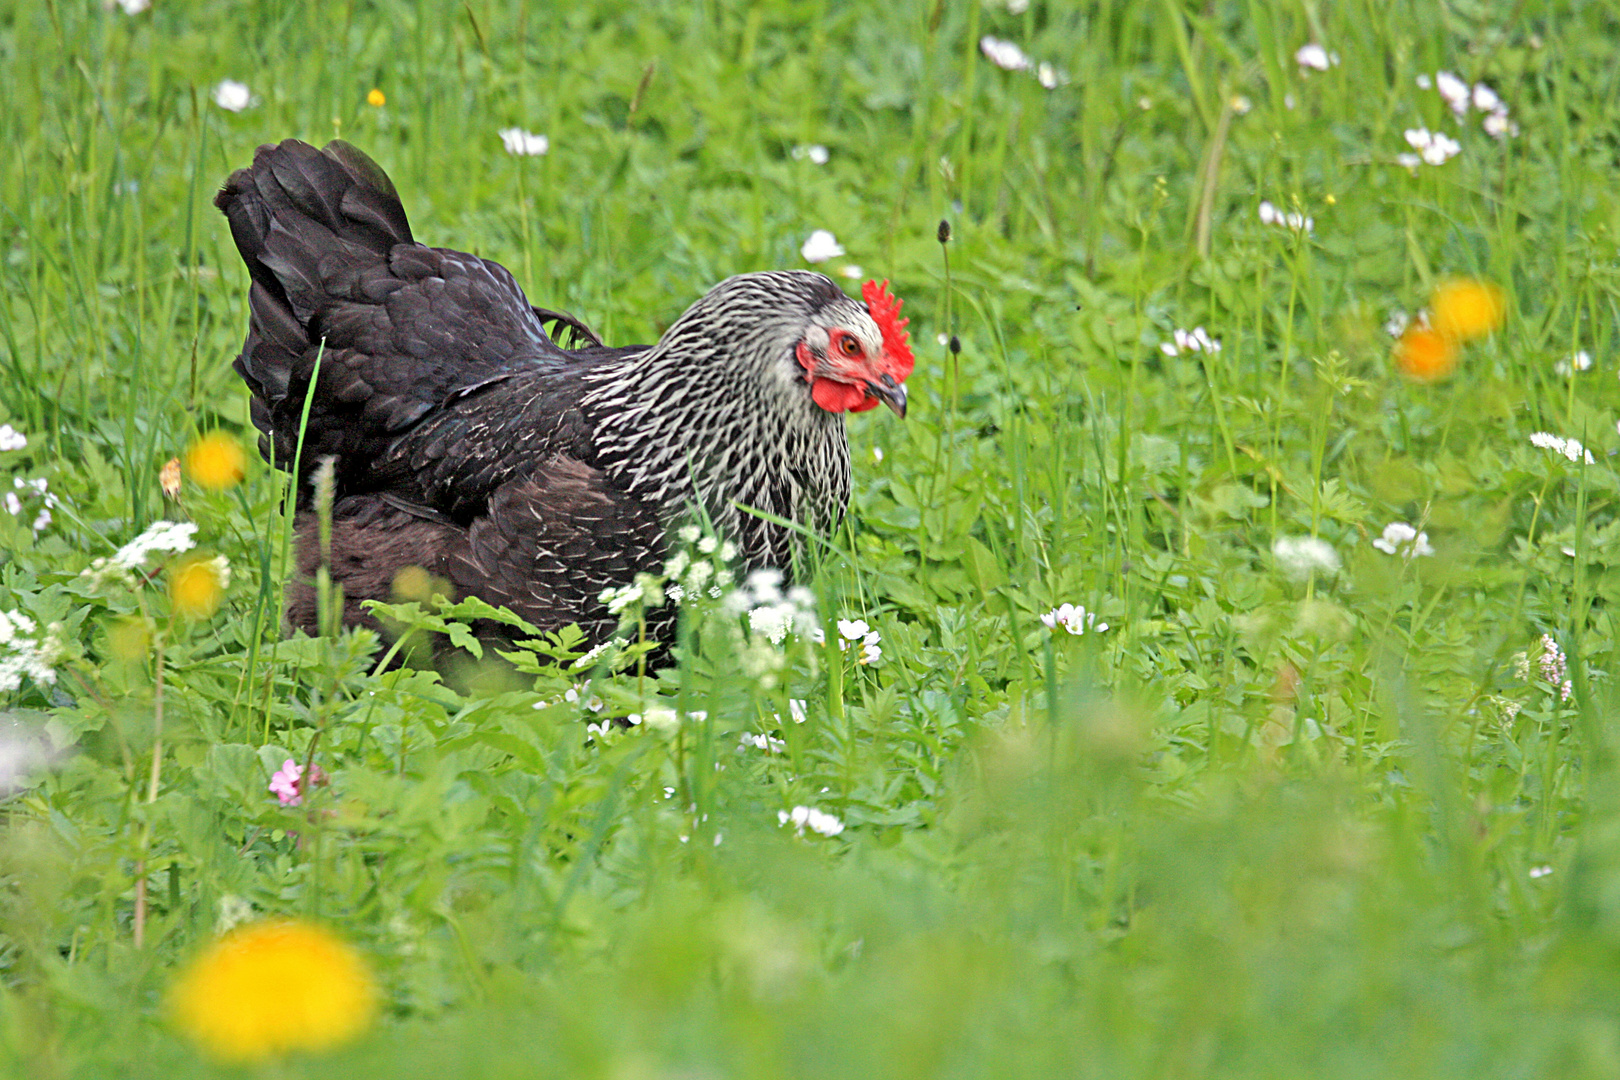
x,y
503,448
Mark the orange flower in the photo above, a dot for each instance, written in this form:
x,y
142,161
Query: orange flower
x,y
169,478
376,99
272,987
216,461
1463,309
1425,355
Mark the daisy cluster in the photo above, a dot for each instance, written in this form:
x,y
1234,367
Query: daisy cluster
x,y
524,143
1574,364
808,817
169,536
1570,448
29,490
854,634
1073,618
1293,221
1399,538
1437,148
1194,340
1009,57
1460,98
25,650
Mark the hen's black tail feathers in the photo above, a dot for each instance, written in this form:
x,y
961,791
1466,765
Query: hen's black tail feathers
x,y
398,329
310,225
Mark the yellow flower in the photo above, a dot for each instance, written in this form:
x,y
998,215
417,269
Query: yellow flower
x,y
1425,355
197,584
216,461
272,987
1463,309
376,98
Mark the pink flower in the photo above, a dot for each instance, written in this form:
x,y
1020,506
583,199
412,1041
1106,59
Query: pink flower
x,y
287,784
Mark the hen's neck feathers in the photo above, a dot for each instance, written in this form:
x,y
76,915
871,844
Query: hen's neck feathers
x,y
718,413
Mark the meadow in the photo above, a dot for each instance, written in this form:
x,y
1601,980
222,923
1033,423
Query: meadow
x,y
1285,347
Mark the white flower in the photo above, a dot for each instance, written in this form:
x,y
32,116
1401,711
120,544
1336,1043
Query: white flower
x,y
1409,161
619,599
803,817
773,621
1455,92
870,652
129,7
1004,54
1424,81
821,246
1498,126
1400,538
41,520
850,271
1485,99
768,743
1185,341
1073,618
1050,77
589,659
232,95
689,534
13,504
1570,448
1397,323
853,629
1270,215
815,152
524,143
1573,365
25,654
1434,147
170,536
11,438
1313,57
1540,871
1301,556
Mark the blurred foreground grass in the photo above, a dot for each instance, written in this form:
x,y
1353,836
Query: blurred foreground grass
x,y
1308,806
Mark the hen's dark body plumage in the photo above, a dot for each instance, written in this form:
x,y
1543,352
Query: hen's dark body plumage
x,y
468,441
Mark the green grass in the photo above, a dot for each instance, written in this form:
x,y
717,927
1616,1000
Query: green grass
x,y
1262,826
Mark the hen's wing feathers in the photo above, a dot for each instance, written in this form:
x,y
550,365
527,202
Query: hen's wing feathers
x,y
398,329
551,542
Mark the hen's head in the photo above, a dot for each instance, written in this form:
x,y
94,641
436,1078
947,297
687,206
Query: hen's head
x,y
855,355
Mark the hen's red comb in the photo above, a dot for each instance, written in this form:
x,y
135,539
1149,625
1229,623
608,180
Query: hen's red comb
x,y
885,310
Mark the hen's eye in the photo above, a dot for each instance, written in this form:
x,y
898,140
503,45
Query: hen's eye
x,y
849,346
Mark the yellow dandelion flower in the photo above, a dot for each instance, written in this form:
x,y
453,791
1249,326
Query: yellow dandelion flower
x,y
197,585
269,988
1463,308
376,99
1425,355
216,461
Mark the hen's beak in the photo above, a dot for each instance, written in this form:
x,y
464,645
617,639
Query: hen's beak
x,y
890,393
